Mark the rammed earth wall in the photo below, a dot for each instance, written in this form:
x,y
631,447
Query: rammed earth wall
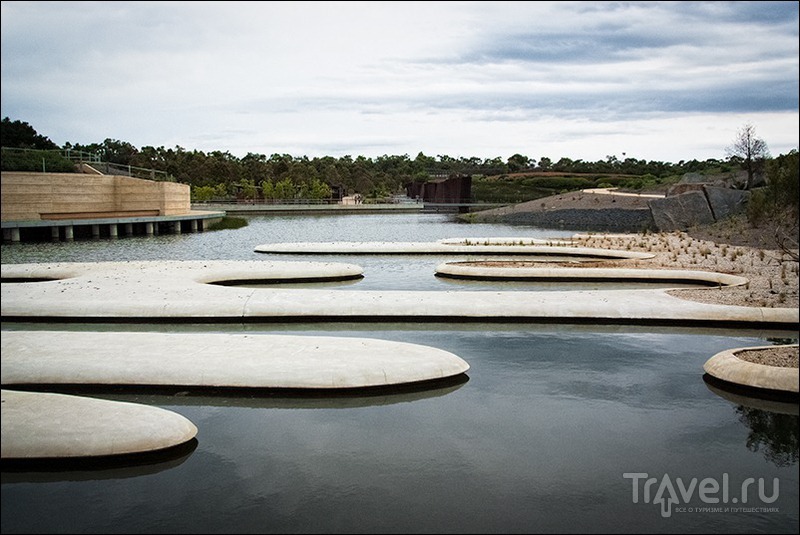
x,y
54,196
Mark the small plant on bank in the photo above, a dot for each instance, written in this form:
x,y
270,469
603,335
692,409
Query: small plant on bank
x,y
229,223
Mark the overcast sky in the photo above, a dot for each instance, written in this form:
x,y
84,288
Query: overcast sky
x,y
665,81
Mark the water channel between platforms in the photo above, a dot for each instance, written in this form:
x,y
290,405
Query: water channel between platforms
x,y
537,437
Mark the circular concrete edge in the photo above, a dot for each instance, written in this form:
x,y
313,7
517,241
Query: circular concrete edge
x,y
726,366
37,425
464,271
232,272
203,272
40,272
442,247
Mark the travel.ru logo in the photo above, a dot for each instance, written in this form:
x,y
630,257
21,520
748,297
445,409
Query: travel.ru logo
x,y
674,496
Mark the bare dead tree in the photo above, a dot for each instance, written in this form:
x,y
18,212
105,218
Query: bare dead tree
x,y
751,150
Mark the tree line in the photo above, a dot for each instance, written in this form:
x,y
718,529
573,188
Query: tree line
x,y
219,174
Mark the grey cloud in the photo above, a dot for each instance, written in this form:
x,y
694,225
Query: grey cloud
x,y
764,95
753,12
589,47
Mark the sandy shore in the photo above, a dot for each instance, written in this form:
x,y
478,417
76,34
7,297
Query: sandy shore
x,y
772,275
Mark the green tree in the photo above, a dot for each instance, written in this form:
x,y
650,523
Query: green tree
x,y
545,163
202,193
119,152
21,135
319,190
284,189
783,177
220,191
518,162
776,205
248,189
267,189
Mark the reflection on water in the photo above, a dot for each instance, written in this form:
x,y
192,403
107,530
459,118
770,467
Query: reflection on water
x,y
346,328
96,468
778,402
320,285
773,420
536,441
257,398
775,434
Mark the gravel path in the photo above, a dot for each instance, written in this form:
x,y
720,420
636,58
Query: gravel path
x,y
784,357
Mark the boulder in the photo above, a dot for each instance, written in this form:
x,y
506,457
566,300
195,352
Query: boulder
x,y
680,188
693,178
725,202
680,212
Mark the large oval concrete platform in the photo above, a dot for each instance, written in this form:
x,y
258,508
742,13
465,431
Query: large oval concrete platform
x,y
218,360
470,271
463,246
726,366
56,426
201,271
176,291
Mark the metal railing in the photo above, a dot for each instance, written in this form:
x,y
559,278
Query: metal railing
x,y
80,156
108,168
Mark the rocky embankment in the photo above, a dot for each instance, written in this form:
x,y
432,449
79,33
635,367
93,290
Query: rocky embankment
x,y
580,210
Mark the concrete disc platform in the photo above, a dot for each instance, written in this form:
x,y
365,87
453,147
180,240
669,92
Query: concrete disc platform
x,y
726,366
461,246
218,360
183,292
470,271
57,426
222,272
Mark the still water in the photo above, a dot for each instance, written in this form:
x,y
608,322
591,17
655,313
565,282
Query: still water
x,y
537,437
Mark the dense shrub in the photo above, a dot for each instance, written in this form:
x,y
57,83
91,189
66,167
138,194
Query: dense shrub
x,y
780,195
36,161
783,178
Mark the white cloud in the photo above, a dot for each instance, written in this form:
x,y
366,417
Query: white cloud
x,y
663,81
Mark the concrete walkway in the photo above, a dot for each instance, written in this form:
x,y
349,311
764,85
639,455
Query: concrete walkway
x,y
180,291
614,191
726,366
56,426
218,360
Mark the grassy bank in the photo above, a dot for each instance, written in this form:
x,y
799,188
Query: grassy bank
x,y
229,223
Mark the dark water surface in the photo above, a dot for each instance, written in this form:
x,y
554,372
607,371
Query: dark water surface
x,y
537,437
